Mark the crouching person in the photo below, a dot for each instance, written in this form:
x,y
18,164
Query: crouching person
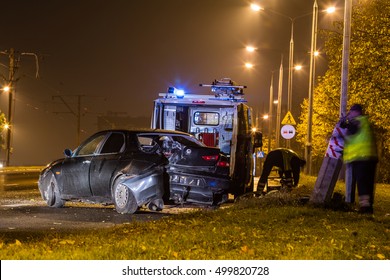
x,y
289,164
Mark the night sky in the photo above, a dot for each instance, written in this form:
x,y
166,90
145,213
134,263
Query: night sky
x,y
120,54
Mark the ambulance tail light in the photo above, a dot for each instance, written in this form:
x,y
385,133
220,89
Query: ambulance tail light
x,y
223,163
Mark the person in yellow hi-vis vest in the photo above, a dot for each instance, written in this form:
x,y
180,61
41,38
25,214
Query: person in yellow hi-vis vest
x,y
360,153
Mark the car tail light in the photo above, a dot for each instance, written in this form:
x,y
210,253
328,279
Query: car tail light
x,y
223,163
211,158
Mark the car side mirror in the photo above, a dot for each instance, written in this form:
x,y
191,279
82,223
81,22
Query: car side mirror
x,y
68,153
257,139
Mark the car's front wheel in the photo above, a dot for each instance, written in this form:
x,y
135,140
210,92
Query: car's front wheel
x,y
53,198
124,199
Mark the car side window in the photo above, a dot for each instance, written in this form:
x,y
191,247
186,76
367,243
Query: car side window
x,y
90,147
114,144
147,144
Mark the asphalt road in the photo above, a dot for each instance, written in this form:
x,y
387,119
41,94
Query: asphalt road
x,y
23,210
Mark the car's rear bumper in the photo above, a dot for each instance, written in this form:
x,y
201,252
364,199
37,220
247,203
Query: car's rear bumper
x,y
201,189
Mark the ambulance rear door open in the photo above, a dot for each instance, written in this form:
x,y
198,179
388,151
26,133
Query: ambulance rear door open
x,y
212,125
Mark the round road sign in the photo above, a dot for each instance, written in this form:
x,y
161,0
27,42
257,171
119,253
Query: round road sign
x,y
287,131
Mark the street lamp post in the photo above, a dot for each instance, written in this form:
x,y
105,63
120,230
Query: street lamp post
x,y
290,59
308,156
313,54
271,100
345,58
279,109
291,51
256,7
249,65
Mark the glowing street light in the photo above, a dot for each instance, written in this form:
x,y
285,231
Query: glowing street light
x,y
330,10
250,49
6,89
256,7
248,65
298,67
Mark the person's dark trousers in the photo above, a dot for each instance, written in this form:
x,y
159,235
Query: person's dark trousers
x,y
350,184
288,178
364,172
267,168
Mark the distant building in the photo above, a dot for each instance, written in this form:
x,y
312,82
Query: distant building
x,y
121,120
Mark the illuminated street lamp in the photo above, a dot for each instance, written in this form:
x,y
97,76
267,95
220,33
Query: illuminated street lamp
x,y
257,8
313,54
248,65
330,10
250,49
298,67
279,101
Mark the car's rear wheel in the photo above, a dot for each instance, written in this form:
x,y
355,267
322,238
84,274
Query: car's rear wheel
x,y
124,199
53,198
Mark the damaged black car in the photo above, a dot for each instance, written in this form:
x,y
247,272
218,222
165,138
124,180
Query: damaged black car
x,y
136,168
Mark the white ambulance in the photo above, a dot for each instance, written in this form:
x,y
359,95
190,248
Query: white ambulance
x,y
222,120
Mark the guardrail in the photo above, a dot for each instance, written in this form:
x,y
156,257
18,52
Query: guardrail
x,y
20,169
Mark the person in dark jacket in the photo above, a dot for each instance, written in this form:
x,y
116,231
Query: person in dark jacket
x,y
289,164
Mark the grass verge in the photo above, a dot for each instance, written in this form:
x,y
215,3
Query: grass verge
x,y
274,227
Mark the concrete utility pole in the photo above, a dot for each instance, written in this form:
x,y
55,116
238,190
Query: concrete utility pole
x,y
11,83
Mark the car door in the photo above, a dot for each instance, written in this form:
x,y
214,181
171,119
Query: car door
x,y
75,169
105,163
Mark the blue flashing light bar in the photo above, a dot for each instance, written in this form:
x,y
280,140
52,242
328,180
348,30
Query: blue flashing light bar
x,y
179,93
